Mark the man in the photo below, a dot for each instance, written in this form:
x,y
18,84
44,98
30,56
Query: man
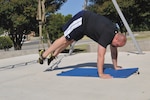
x,y
98,28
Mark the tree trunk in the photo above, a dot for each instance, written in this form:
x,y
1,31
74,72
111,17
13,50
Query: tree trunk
x,y
17,41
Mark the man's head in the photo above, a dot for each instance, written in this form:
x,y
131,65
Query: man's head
x,y
119,40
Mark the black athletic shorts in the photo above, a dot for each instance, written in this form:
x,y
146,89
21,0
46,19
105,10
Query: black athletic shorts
x,y
73,29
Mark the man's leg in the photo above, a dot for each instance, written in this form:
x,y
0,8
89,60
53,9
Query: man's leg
x,y
57,46
57,51
60,49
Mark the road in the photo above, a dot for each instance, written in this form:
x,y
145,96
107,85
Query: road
x,y
32,47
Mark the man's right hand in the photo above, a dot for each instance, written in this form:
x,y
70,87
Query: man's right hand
x,y
105,76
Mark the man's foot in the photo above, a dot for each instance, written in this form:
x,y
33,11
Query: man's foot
x,y
41,58
49,60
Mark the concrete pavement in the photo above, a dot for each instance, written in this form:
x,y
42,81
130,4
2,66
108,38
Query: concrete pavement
x,y
30,82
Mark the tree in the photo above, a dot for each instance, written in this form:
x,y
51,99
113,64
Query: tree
x,y
141,13
19,17
54,25
135,11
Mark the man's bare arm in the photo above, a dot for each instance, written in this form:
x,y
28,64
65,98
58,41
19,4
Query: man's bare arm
x,y
100,62
114,56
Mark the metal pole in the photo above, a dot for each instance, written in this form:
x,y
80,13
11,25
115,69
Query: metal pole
x,y
40,18
127,26
85,4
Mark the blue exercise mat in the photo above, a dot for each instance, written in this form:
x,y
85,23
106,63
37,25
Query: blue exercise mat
x,y
92,72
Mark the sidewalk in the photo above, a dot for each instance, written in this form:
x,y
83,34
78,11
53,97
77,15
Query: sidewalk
x,y
30,82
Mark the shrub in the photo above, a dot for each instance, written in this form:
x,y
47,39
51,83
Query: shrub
x,y
5,42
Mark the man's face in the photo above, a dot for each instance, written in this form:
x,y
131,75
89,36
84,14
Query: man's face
x,y
117,44
118,41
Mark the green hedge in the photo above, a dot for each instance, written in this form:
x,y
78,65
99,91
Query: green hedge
x,y
5,42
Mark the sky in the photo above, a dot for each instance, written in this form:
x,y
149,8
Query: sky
x,y
71,7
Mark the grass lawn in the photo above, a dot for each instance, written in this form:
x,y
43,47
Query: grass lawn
x,y
78,48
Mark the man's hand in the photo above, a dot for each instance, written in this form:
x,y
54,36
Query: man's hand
x,y
105,76
117,67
